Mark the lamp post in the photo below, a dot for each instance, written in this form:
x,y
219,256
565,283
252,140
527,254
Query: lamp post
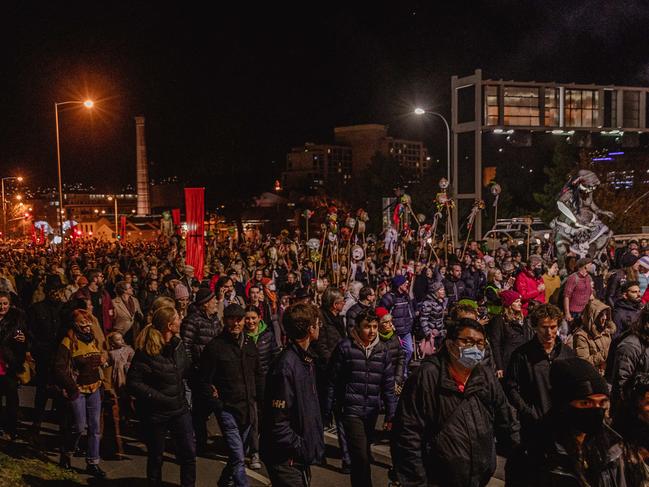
x,y
4,204
88,104
114,199
420,112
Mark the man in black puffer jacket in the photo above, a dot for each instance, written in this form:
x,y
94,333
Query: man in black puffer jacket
x,y
401,307
366,300
451,410
361,377
232,383
627,309
198,328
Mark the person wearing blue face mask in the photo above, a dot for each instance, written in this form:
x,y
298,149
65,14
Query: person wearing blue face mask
x,y
450,412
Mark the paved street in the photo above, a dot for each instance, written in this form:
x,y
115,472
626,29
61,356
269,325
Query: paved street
x,y
130,471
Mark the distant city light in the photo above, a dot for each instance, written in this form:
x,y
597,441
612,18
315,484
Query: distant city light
x,y
419,111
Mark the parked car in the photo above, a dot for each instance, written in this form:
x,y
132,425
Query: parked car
x,y
516,229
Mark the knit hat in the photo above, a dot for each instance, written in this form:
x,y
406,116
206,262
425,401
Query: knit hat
x,y
585,261
436,286
82,281
234,310
382,313
398,281
203,295
508,297
644,261
628,259
574,378
181,292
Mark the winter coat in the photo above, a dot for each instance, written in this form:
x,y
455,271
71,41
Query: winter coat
x,y
442,436
332,331
625,313
353,312
396,354
630,357
12,352
614,286
553,466
124,320
527,383
455,290
421,286
402,310
360,379
291,422
492,295
231,366
45,322
527,286
505,336
197,330
590,343
156,382
430,317
266,346
475,281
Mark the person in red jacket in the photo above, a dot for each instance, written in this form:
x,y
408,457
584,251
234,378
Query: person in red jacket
x,y
529,282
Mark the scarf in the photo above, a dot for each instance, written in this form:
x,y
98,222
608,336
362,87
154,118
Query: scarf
x,y
130,305
386,336
84,337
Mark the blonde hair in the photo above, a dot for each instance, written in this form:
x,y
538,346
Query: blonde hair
x,y
150,339
491,275
160,302
511,315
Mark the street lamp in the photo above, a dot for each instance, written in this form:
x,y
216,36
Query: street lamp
x,y
114,198
4,204
420,112
88,104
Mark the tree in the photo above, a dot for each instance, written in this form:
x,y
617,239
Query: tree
x,y
564,164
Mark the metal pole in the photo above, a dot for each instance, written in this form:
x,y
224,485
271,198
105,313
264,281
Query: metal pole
x,y
448,145
116,227
4,212
58,162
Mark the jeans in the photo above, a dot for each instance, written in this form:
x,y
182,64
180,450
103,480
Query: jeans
x,y
86,411
289,475
235,438
359,439
9,389
182,433
407,346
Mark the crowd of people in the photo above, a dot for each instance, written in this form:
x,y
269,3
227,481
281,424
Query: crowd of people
x,y
473,353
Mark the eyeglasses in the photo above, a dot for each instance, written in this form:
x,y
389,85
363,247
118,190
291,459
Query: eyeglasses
x,y
468,343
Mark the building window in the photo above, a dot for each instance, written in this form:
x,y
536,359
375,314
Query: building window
x,y
551,107
582,108
631,109
521,106
491,105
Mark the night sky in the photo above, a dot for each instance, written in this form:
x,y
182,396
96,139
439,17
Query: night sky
x,y
227,93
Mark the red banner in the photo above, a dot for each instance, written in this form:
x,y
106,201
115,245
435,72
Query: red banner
x,y
34,236
195,214
175,216
122,227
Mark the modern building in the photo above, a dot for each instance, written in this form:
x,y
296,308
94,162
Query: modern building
x,y
351,153
519,113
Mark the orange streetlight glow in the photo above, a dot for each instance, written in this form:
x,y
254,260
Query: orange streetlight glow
x,y
88,103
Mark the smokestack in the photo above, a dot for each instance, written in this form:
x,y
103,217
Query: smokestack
x,y
142,169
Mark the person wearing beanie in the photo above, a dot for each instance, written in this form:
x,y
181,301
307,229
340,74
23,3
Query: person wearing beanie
x,y
389,337
643,273
577,290
181,297
197,329
628,271
576,446
529,283
429,326
398,302
527,382
508,330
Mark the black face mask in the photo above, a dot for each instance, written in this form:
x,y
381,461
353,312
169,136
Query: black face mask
x,y
538,272
586,420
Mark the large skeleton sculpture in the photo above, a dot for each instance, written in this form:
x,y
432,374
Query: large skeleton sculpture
x,y
578,227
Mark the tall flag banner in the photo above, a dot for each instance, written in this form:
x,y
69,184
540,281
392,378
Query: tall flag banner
x,y
195,215
122,227
175,216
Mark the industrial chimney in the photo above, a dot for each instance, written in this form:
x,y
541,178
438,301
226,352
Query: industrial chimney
x,y
142,169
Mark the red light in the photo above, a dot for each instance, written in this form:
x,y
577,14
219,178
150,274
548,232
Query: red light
x,y
26,215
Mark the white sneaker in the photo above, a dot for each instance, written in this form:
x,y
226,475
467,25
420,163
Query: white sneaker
x,y
255,463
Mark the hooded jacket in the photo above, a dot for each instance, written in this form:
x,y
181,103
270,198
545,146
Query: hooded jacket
x,y
589,342
441,436
266,346
360,378
624,314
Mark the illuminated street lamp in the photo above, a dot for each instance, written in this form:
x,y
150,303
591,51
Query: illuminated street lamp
x,y
88,104
420,111
4,204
